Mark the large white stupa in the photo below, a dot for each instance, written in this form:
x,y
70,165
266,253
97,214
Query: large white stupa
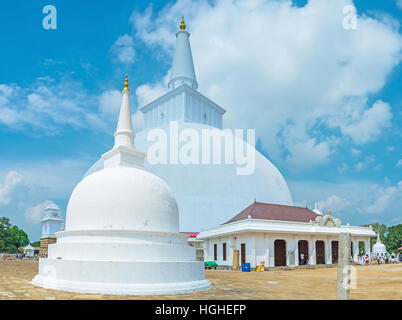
x,y
207,194
122,230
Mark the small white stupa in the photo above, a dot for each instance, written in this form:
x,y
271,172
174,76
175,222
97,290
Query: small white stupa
x,y
379,248
51,221
122,230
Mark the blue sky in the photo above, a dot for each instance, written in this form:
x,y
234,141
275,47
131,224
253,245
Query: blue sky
x,y
333,129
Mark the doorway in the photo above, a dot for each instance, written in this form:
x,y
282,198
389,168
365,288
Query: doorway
x,y
351,248
280,253
334,246
320,252
243,253
303,252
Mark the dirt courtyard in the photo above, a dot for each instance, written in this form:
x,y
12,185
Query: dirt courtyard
x,y
373,282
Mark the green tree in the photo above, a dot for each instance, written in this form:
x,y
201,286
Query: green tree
x,y
20,236
393,238
11,237
35,244
377,228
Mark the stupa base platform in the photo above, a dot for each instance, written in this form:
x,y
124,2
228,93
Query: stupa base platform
x,y
121,277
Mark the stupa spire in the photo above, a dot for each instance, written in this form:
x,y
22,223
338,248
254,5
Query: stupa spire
x,y
183,67
124,135
123,152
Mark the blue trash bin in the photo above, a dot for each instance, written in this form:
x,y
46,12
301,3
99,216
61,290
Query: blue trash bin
x,y
245,267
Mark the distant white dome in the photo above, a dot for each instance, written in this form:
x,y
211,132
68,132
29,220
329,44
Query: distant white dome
x,y
122,198
378,247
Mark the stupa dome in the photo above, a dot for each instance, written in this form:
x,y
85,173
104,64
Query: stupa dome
x,y
379,247
122,198
122,230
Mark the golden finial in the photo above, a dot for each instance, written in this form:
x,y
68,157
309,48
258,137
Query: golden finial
x,y
126,85
182,24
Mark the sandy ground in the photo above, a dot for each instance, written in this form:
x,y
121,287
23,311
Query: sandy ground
x,y
373,282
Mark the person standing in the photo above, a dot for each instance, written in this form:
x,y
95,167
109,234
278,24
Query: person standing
x,y
302,258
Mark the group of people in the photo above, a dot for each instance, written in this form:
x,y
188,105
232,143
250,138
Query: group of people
x,y
388,258
365,259
16,256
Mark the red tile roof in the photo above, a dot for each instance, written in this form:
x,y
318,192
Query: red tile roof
x,y
269,211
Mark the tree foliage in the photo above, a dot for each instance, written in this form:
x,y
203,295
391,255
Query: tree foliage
x,y
377,228
393,239
35,244
11,237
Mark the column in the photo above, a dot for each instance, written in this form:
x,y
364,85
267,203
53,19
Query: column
x,y
267,250
311,252
328,251
296,251
343,289
288,244
253,262
355,249
206,249
271,251
367,246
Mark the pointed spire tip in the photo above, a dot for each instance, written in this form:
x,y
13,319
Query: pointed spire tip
x,y
182,24
126,85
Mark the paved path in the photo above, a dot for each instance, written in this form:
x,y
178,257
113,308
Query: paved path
x,y
373,282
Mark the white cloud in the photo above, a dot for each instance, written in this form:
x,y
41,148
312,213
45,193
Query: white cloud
x,y
399,4
382,197
363,201
148,92
109,102
48,106
309,151
260,61
333,203
399,163
34,214
365,163
355,152
124,50
13,181
367,126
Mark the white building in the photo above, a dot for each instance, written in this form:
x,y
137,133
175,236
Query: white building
x,y
122,230
29,251
280,236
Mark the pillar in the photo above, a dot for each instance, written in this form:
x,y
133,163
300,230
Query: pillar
x,y
367,246
343,281
311,252
206,249
272,252
296,247
328,251
267,250
253,258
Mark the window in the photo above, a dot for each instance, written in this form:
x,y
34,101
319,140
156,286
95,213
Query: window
x,y
215,252
224,251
